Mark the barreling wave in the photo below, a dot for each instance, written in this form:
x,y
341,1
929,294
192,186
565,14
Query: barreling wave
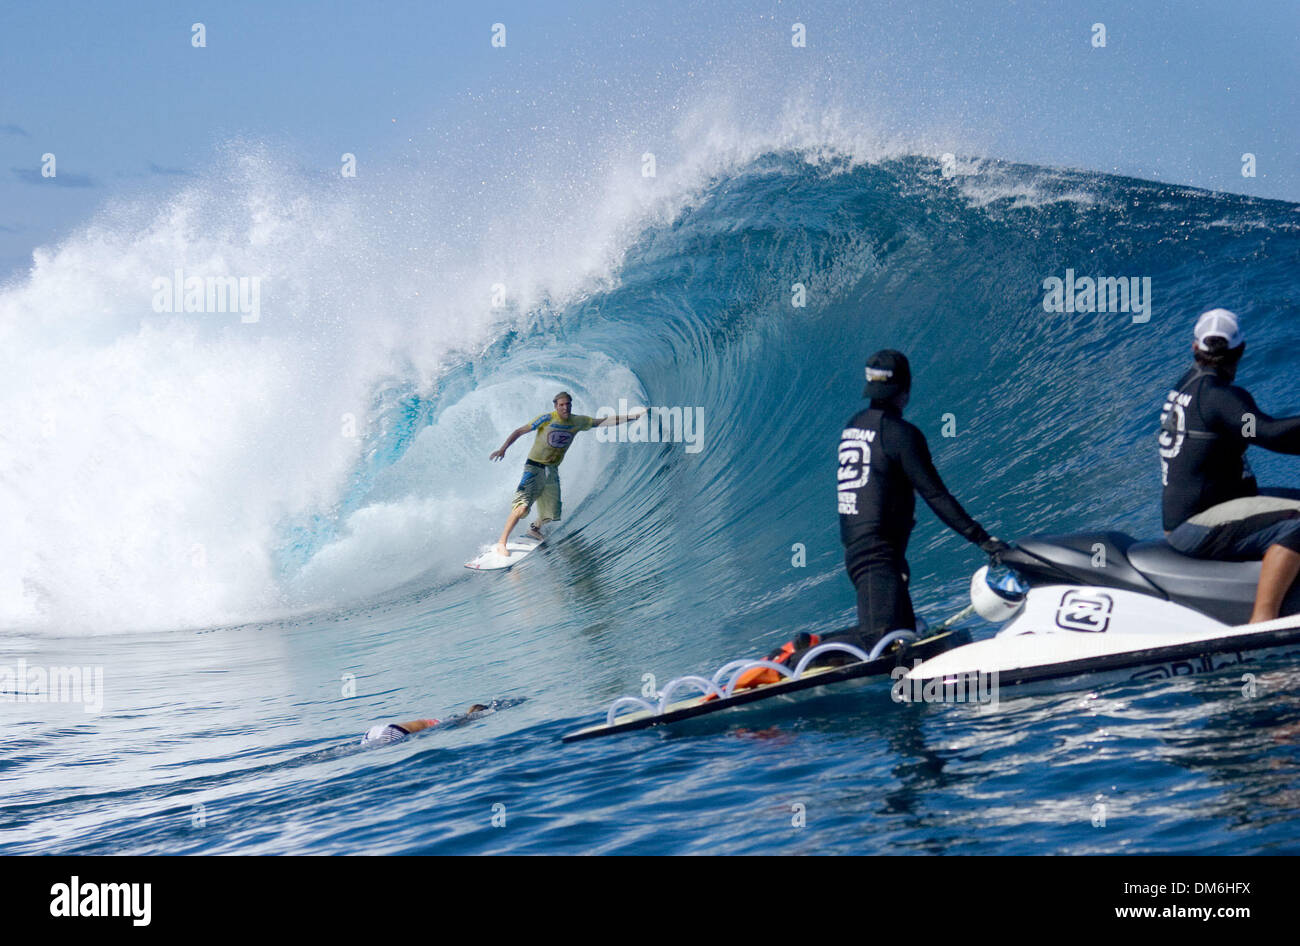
x,y
166,470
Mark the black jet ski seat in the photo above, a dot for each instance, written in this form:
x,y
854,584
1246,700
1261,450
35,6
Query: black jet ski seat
x,y
1223,590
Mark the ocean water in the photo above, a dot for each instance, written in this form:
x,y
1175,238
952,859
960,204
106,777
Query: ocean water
x,y
254,531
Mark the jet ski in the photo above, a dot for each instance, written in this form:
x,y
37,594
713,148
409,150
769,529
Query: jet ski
x,y
1147,624
1224,591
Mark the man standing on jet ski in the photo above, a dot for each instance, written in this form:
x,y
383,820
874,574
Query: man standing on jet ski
x,y
1211,504
884,463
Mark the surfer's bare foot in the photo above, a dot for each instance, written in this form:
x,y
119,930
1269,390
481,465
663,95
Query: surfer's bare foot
x,y
502,550
535,532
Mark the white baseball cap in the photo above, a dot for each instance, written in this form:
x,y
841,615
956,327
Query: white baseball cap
x,y
1218,323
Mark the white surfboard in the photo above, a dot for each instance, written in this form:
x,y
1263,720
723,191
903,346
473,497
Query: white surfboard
x,y
490,560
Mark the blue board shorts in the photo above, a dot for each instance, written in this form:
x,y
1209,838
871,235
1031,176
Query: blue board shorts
x,y
541,485
1240,530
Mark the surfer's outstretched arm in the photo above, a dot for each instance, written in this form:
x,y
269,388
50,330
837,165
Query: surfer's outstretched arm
x,y
613,420
515,435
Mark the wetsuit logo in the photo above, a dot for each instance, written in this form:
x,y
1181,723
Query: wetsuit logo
x,y
559,438
855,467
1173,424
1080,611
1173,430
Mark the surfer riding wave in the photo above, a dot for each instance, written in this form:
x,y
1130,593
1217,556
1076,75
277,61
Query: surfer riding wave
x,y
540,482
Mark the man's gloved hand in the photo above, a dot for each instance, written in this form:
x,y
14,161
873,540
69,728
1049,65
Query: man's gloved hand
x,y
995,548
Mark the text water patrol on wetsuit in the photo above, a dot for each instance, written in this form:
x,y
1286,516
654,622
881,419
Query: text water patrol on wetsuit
x,y
855,467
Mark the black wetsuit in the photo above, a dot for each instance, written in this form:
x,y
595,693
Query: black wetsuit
x,y
883,462
1205,427
1204,430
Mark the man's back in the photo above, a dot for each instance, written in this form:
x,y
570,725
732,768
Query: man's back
x,y
884,462
875,494
1204,428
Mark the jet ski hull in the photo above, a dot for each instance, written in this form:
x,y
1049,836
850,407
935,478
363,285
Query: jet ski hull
x,y
1073,637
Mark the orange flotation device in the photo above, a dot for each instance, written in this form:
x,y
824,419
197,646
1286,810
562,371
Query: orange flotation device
x,y
758,676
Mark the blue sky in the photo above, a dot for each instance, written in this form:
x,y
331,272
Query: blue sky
x,y
130,108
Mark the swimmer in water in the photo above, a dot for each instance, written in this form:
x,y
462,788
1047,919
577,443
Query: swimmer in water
x,y
387,735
